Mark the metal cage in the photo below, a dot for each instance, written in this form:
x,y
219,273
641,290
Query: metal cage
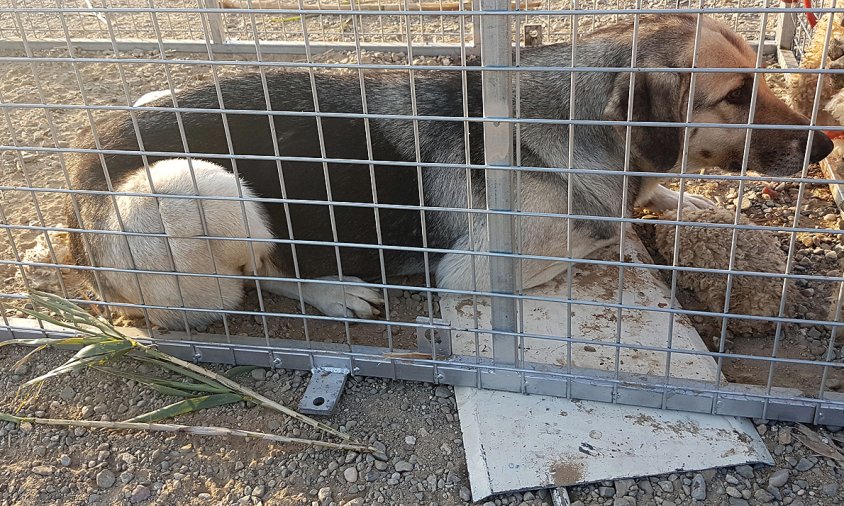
x,y
67,63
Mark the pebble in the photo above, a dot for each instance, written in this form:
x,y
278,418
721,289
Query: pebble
x,y
258,374
43,470
465,494
403,466
67,393
624,501
139,494
622,487
350,474
830,489
763,496
64,460
778,478
666,486
698,488
733,492
324,493
745,472
784,437
105,479
804,465
606,491
411,440
442,391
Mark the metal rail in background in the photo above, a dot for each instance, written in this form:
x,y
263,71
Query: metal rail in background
x,y
222,36
236,31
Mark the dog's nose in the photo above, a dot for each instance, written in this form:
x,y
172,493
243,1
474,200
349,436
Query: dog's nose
x,y
821,147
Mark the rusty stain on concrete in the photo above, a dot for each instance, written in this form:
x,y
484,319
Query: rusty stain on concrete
x,y
566,473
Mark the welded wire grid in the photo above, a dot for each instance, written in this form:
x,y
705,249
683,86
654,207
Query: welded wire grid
x,y
52,94
803,29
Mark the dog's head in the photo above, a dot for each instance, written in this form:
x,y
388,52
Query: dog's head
x,y
719,97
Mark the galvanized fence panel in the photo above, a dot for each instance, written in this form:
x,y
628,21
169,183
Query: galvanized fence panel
x,y
68,65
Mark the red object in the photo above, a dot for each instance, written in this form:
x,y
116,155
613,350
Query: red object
x,y
809,16
770,192
835,134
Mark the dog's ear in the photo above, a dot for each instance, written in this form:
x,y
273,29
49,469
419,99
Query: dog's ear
x,y
657,97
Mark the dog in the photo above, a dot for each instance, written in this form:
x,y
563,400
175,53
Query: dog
x,y
321,225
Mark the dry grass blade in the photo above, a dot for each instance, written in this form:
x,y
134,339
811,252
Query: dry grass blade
x,y
812,441
102,342
184,429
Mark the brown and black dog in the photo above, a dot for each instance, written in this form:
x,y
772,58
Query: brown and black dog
x,y
295,164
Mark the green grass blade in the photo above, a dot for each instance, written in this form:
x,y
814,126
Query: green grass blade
x,y
69,366
5,417
61,323
240,370
190,388
73,312
187,406
110,347
53,342
181,370
175,392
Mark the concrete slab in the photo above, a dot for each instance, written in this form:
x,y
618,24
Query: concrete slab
x,y
516,442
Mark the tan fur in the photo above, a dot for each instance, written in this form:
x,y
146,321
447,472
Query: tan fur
x,y
709,248
719,48
802,86
181,251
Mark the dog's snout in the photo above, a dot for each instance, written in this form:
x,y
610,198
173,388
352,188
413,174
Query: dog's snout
x,y
821,147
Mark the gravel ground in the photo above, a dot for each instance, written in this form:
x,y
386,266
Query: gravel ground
x,y
416,425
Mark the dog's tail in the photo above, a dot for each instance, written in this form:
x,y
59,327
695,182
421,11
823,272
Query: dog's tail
x,y
176,235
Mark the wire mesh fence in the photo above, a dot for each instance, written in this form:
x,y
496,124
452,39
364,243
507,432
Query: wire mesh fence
x,y
454,192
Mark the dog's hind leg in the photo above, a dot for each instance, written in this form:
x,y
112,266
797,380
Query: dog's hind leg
x,y
464,272
180,247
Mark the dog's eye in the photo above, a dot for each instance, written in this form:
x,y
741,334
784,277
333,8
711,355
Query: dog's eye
x,y
737,96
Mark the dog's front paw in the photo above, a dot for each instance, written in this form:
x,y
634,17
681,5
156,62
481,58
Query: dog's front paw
x,y
346,301
664,199
692,201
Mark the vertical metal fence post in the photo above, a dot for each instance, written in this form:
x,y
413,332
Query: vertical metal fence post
x,y
498,152
785,30
215,22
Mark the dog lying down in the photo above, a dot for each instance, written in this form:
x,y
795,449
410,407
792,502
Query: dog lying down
x,y
341,240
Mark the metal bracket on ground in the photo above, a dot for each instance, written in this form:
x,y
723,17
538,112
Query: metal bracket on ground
x,y
324,391
434,337
560,497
